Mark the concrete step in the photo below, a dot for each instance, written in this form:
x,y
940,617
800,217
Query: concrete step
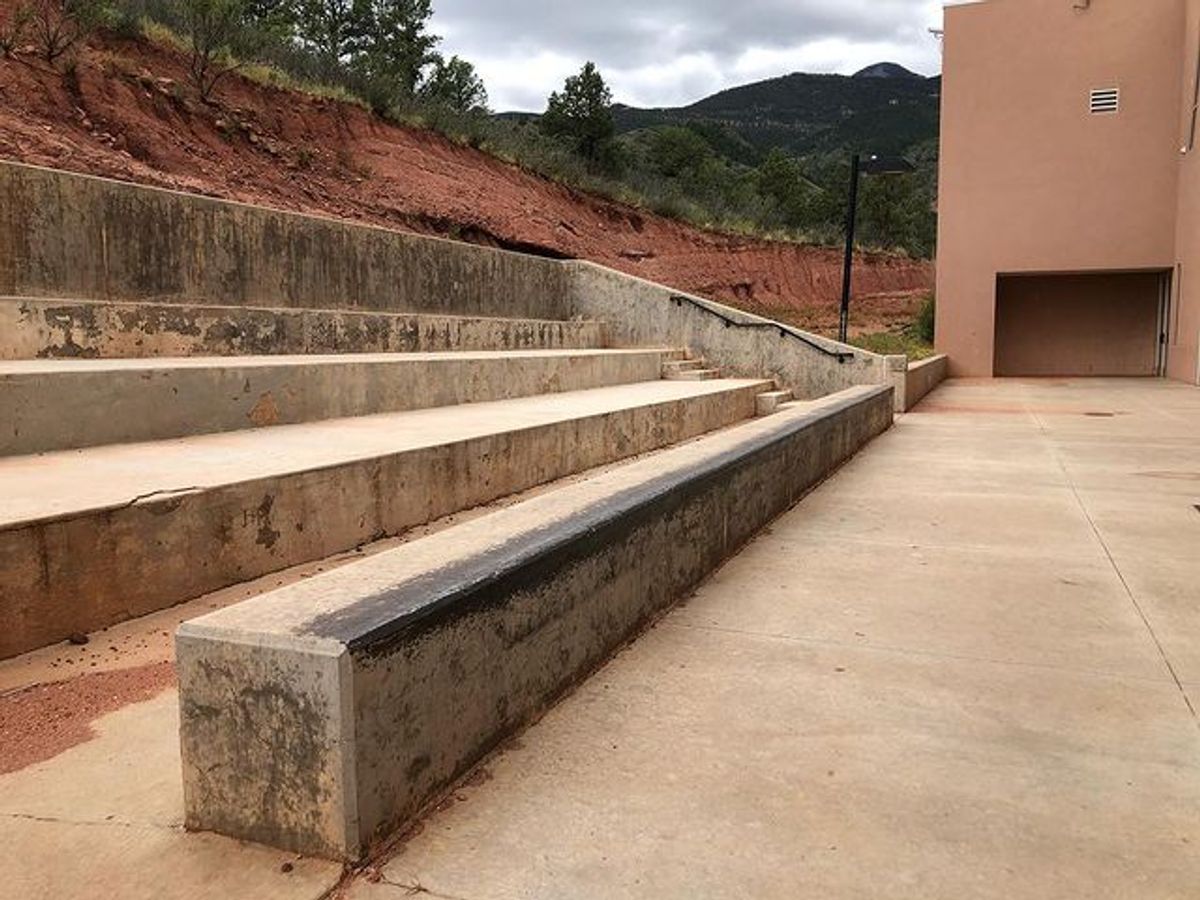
x,y
368,690
770,402
48,405
689,370
96,536
674,366
696,375
40,328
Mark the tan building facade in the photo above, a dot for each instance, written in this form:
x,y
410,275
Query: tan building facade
x,y
1069,235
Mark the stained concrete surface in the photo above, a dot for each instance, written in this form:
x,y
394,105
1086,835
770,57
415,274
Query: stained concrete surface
x,y
104,819
49,405
927,681
964,667
405,668
69,483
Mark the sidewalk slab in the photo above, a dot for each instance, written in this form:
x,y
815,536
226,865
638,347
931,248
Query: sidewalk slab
x,y
929,691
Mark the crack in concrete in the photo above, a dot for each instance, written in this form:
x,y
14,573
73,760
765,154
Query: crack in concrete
x,y
165,494
909,651
90,823
1162,651
416,889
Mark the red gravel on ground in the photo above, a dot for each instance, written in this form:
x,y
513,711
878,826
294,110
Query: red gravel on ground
x,y
40,722
125,110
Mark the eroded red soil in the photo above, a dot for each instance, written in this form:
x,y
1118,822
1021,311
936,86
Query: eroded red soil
x,y
40,722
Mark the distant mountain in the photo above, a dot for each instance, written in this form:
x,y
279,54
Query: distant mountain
x,y
883,109
886,70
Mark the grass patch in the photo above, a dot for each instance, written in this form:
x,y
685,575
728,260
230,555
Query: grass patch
x,y
270,76
914,340
895,343
162,36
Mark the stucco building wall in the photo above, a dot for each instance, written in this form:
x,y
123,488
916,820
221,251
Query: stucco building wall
x,y
1033,182
1183,361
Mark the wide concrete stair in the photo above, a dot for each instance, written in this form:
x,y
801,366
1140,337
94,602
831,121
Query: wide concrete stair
x,y
345,385
131,485
151,455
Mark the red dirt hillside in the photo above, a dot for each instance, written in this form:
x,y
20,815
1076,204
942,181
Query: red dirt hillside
x,y
126,111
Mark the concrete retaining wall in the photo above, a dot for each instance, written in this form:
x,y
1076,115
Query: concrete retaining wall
x,y
642,313
323,716
922,377
35,328
64,235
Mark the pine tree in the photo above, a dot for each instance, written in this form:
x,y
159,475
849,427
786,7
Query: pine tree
x,y
455,85
396,46
332,29
583,114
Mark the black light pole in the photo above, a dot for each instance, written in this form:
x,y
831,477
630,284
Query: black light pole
x,y
872,165
848,265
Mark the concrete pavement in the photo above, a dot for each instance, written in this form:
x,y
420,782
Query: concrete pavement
x,y
964,667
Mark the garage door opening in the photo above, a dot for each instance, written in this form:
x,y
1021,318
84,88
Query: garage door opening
x,y
1099,324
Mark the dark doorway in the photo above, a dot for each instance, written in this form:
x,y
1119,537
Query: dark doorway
x,y
1107,323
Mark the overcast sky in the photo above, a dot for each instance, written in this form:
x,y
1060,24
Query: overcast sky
x,y
673,52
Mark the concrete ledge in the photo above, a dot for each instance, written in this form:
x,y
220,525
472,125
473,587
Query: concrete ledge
x,y
35,328
217,511
68,235
48,405
922,377
325,715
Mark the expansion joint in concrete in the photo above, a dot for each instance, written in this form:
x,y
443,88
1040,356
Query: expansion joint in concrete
x,y
1141,612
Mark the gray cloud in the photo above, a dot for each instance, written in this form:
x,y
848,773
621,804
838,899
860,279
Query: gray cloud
x,y
670,51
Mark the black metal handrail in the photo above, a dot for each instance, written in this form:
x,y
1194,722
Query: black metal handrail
x,y
841,357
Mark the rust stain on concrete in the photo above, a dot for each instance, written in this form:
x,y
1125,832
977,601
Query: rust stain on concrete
x,y
265,412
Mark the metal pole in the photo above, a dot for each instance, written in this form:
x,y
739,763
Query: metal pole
x,y
848,266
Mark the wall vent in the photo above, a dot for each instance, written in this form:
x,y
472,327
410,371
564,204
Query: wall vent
x,y
1106,101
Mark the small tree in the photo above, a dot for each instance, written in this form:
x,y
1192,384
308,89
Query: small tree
x,y
675,151
394,48
583,114
455,85
331,28
781,179
12,32
270,14
212,26
58,25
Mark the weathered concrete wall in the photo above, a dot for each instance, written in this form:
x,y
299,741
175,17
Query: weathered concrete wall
x,y
440,651
51,405
642,313
82,570
64,235
35,328
922,377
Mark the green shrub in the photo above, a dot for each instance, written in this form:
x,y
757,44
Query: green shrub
x,y
923,327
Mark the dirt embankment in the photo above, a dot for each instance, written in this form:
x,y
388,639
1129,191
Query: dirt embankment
x,y
125,111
